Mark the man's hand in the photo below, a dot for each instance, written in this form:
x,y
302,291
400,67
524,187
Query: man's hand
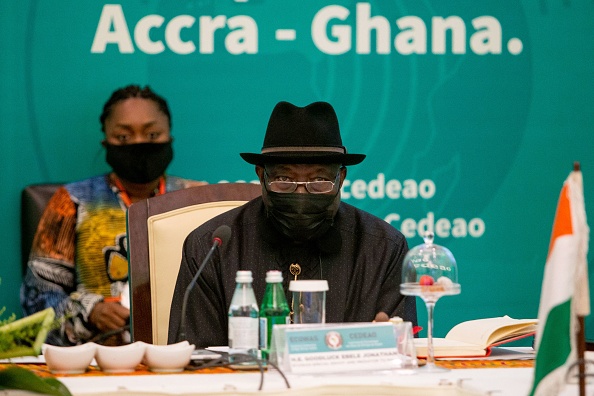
x,y
381,317
108,316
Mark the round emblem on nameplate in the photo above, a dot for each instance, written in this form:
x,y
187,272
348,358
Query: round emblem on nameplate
x,y
333,340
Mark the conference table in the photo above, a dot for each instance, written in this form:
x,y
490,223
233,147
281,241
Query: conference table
x,y
466,377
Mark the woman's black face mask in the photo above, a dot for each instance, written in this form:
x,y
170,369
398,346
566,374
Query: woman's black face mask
x,y
139,163
301,217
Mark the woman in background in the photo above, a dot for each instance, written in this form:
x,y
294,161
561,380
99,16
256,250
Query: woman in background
x,y
78,262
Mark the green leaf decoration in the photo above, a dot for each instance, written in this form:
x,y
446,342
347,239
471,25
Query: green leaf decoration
x,y
19,378
25,336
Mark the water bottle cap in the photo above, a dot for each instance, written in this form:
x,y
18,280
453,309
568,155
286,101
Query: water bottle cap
x,y
274,277
243,277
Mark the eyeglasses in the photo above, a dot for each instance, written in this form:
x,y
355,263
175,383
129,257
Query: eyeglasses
x,y
313,187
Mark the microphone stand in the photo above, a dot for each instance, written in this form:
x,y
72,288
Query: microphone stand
x,y
181,334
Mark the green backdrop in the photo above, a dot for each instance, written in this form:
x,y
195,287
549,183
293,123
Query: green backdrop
x,y
471,112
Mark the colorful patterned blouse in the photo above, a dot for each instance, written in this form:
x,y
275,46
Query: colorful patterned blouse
x,y
79,255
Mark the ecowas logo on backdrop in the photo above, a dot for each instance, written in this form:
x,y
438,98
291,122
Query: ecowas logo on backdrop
x,y
331,31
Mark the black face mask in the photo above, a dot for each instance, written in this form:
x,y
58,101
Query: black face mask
x,y
139,163
301,217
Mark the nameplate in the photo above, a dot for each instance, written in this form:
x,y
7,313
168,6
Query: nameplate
x,y
335,347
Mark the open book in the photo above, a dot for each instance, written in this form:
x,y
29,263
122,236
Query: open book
x,y
477,337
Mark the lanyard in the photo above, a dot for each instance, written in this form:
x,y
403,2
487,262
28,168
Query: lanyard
x,y
124,194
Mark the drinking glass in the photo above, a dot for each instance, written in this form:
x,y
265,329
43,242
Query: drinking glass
x,y
429,271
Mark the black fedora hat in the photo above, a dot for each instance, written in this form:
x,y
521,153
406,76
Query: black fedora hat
x,y
303,135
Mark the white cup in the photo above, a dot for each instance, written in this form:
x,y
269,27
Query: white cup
x,y
309,300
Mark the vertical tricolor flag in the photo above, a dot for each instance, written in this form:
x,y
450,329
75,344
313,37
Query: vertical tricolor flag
x,y
565,292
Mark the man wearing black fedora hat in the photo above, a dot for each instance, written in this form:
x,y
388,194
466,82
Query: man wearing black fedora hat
x,y
300,227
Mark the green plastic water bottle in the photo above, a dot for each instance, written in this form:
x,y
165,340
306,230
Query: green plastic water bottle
x,y
274,309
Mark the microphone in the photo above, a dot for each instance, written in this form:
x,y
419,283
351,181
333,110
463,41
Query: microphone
x,y
219,237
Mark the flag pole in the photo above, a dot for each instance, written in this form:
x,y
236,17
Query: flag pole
x,y
581,346
581,335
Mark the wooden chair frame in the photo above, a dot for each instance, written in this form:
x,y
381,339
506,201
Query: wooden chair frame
x,y
139,217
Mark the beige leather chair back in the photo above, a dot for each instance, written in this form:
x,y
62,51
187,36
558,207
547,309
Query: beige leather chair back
x,y
157,228
166,234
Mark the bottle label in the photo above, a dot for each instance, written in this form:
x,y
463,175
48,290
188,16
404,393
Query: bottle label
x,y
266,325
263,333
243,333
